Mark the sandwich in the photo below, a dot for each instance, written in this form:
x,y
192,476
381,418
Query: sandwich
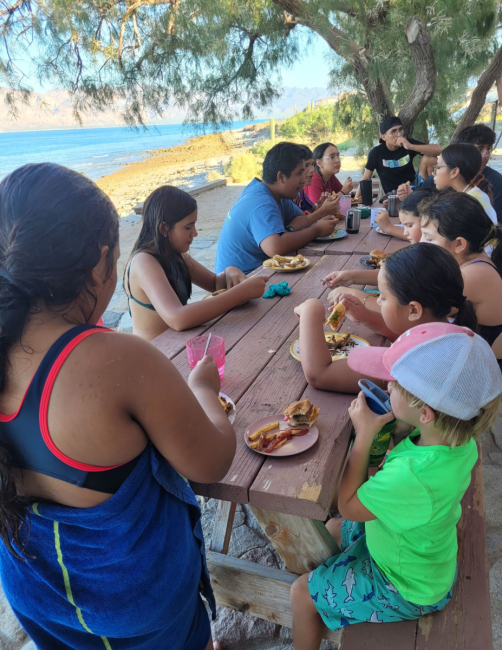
x,y
377,256
219,292
227,406
336,316
302,413
337,340
296,262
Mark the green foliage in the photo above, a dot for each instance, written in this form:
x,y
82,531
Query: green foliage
x,y
243,168
260,149
312,126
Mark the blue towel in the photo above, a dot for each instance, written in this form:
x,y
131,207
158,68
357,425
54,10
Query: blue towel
x,y
124,574
281,289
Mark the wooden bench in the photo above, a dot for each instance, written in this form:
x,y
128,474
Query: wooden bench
x,y
465,623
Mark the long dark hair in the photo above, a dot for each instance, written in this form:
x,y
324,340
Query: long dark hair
x,y
167,204
430,275
412,201
319,152
456,214
468,159
53,223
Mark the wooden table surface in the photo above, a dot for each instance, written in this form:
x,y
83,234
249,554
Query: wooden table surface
x,y
263,378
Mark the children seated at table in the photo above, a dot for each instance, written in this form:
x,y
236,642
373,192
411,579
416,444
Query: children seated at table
x,y
458,167
326,165
398,535
264,221
417,285
408,216
392,159
101,544
459,224
326,205
159,275
483,138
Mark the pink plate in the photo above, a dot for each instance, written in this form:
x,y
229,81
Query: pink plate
x,y
292,447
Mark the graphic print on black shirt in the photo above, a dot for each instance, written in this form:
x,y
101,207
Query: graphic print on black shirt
x,y
392,167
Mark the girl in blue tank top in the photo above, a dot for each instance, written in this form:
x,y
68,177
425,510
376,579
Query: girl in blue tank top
x,y
101,544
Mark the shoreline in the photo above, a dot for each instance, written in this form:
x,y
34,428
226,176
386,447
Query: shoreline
x,y
185,165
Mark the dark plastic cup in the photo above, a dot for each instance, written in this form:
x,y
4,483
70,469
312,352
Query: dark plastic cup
x,y
366,192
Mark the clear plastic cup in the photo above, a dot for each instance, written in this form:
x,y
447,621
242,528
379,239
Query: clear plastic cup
x,y
197,345
345,203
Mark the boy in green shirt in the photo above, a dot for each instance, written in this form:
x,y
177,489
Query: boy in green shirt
x,y
398,534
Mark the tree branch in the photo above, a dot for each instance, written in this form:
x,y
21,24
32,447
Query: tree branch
x,y
478,97
425,73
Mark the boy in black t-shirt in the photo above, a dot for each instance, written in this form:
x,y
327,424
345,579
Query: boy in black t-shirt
x,y
393,157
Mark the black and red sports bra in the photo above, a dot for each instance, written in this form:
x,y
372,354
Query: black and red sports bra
x,y
25,434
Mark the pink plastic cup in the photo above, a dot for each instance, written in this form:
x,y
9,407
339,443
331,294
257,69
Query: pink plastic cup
x,y
197,345
345,202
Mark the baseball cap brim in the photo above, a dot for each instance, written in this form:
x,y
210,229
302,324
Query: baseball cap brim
x,y
369,362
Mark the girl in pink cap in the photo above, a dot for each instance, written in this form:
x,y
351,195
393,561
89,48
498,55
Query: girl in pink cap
x,y
398,558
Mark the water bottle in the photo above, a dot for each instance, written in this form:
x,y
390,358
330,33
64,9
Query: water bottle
x,y
379,402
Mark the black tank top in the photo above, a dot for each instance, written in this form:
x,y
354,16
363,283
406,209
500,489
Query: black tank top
x,y
25,434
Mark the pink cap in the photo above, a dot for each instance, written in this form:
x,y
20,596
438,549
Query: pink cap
x,y
378,362
446,366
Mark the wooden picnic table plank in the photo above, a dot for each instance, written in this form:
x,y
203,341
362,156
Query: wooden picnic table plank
x,y
172,342
255,374
305,484
236,323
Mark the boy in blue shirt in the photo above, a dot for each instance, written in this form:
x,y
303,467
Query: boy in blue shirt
x,y
264,221
398,538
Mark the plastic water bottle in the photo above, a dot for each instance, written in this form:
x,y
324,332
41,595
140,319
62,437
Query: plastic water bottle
x,y
379,402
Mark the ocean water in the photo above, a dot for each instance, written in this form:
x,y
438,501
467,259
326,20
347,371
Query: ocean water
x,y
93,152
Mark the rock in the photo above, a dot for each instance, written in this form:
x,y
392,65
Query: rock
x,y
496,458
496,603
232,628
493,494
125,324
12,635
245,539
497,431
112,318
263,556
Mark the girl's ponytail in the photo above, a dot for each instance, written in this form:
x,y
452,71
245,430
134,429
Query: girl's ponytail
x,y
494,238
466,315
54,223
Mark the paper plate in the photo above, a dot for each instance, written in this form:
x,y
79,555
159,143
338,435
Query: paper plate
x,y
292,447
372,292
340,234
381,232
295,347
281,270
232,414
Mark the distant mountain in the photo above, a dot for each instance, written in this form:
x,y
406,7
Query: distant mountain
x,y
53,110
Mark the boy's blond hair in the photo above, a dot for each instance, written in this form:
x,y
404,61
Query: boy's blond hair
x,y
457,432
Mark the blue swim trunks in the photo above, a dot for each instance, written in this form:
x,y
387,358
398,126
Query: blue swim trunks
x,y
349,588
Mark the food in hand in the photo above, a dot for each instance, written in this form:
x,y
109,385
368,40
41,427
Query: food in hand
x,y
336,316
301,413
281,262
227,405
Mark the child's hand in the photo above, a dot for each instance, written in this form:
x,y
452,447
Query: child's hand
x,y
336,295
403,191
205,375
347,186
366,423
339,279
233,276
383,220
356,311
255,286
311,306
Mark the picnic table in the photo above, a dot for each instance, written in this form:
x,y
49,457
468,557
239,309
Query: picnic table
x,y
290,497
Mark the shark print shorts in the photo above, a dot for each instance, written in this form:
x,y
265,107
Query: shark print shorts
x,y
349,588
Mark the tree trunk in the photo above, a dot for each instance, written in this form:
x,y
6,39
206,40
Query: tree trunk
x,y
425,70
492,73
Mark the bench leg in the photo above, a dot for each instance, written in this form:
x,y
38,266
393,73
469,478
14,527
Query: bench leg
x,y
303,544
222,530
